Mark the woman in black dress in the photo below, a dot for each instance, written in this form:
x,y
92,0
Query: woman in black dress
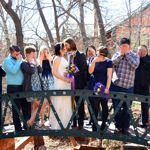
x,y
101,68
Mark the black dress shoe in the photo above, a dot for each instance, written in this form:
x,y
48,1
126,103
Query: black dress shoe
x,y
80,127
144,126
125,132
103,125
74,126
118,130
89,124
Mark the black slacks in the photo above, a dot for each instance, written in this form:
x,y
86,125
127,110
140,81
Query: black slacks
x,y
95,103
22,105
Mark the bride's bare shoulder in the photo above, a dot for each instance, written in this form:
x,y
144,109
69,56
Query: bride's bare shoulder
x,y
57,59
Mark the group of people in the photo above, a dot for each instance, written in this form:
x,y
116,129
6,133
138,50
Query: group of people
x,y
121,73
20,75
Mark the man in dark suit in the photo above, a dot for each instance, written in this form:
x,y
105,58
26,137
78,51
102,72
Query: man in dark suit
x,y
142,82
2,74
79,59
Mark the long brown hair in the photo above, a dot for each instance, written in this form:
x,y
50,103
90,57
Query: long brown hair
x,y
71,43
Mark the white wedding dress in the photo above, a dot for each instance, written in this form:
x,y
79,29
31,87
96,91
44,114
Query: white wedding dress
x,y
62,104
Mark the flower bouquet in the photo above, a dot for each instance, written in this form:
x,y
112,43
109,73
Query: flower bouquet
x,y
99,88
72,69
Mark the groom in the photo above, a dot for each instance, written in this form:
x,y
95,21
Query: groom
x,y
79,59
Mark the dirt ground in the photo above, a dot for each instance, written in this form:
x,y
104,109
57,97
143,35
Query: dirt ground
x,y
59,143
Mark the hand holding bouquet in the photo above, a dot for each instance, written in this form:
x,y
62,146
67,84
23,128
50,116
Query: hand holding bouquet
x,y
99,88
72,69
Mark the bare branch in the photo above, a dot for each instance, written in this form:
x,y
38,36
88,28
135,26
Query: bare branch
x,y
16,20
68,12
45,24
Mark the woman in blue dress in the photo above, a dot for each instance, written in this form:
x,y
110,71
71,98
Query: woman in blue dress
x,y
45,59
101,68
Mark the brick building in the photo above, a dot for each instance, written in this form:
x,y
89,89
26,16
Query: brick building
x,y
137,27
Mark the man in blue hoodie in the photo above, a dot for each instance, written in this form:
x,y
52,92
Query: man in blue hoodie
x,y
14,77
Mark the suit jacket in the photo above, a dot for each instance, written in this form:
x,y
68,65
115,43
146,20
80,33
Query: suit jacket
x,y
142,74
81,76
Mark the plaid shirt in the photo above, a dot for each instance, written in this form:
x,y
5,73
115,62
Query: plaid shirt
x,y
124,69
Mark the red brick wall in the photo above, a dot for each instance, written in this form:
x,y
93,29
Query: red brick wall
x,y
122,30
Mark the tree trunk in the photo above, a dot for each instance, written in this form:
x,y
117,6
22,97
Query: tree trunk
x,y
140,26
128,6
56,21
96,37
16,20
5,29
100,22
48,31
82,24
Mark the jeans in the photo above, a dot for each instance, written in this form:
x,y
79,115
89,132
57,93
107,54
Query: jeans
x,y
122,118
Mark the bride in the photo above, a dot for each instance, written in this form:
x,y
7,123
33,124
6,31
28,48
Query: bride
x,y
62,104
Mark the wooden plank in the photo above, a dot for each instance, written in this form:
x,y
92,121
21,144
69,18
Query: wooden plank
x,y
74,143
7,144
134,147
82,140
79,143
23,142
38,141
87,148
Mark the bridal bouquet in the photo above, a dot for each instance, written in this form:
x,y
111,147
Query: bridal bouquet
x,y
72,69
99,88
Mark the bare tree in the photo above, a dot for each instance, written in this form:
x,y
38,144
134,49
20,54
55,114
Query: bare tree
x,y
35,29
48,31
56,21
16,20
5,29
96,39
100,22
129,14
80,22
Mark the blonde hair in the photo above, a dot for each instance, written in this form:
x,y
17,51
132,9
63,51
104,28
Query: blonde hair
x,y
42,48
